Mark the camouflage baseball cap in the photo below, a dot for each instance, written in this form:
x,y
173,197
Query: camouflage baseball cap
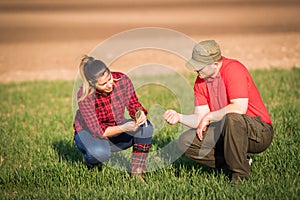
x,y
204,53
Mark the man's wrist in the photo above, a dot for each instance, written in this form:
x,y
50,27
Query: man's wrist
x,y
179,117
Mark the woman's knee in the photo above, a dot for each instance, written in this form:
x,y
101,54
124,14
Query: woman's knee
x,y
147,131
144,134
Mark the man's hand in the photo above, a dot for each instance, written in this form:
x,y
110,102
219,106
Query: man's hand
x,y
202,126
172,117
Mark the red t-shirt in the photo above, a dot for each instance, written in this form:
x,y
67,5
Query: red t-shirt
x,y
238,84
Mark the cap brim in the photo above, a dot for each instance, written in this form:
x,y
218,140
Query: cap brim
x,y
195,65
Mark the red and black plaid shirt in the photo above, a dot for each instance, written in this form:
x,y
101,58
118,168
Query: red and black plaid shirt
x,y
99,111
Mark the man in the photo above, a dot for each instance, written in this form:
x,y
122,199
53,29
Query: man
x,y
229,119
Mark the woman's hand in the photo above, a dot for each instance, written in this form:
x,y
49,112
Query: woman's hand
x,y
172,117
142,119
129,126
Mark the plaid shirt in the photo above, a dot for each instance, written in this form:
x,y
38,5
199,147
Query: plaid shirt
x,y
99,111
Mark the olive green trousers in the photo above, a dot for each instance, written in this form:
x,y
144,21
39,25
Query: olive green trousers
x,y
226,143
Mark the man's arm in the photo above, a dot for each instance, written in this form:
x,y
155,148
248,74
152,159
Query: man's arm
x,y
239,105
192,120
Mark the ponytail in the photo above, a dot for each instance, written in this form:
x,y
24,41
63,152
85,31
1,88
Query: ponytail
x,y
90,70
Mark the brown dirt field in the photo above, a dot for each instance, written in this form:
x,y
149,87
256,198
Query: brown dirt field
x,y
44,40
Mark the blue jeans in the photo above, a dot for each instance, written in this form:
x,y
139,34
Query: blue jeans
x,y
98,150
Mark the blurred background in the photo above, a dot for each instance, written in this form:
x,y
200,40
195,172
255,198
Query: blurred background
x,y
45,39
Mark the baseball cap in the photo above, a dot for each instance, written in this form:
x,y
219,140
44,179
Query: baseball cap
x,y
204,53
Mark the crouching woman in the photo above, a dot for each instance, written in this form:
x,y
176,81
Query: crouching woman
x,y
100,125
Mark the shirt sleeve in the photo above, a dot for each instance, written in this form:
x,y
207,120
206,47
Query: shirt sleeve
x,y
133,104
236,81
88,113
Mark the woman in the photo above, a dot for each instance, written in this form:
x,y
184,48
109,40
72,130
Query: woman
x,y
100,125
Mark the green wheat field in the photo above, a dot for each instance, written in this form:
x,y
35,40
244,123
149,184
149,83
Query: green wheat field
x,y
38,158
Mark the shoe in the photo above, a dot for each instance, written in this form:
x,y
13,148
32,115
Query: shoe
x,y
238,180
250,160
89,166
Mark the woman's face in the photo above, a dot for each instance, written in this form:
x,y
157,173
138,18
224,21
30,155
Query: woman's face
x,y
105,83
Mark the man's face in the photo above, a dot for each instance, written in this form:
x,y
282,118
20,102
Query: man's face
x,y
208,71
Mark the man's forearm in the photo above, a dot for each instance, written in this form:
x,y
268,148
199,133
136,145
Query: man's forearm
x,y
189,120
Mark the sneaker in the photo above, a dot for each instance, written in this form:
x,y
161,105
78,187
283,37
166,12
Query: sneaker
x,y
250,160
89,166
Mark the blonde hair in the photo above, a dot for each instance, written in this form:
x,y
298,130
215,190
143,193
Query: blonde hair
x,y
90,71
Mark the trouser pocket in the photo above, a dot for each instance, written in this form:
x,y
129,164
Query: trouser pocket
x,y
254,127
259,133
